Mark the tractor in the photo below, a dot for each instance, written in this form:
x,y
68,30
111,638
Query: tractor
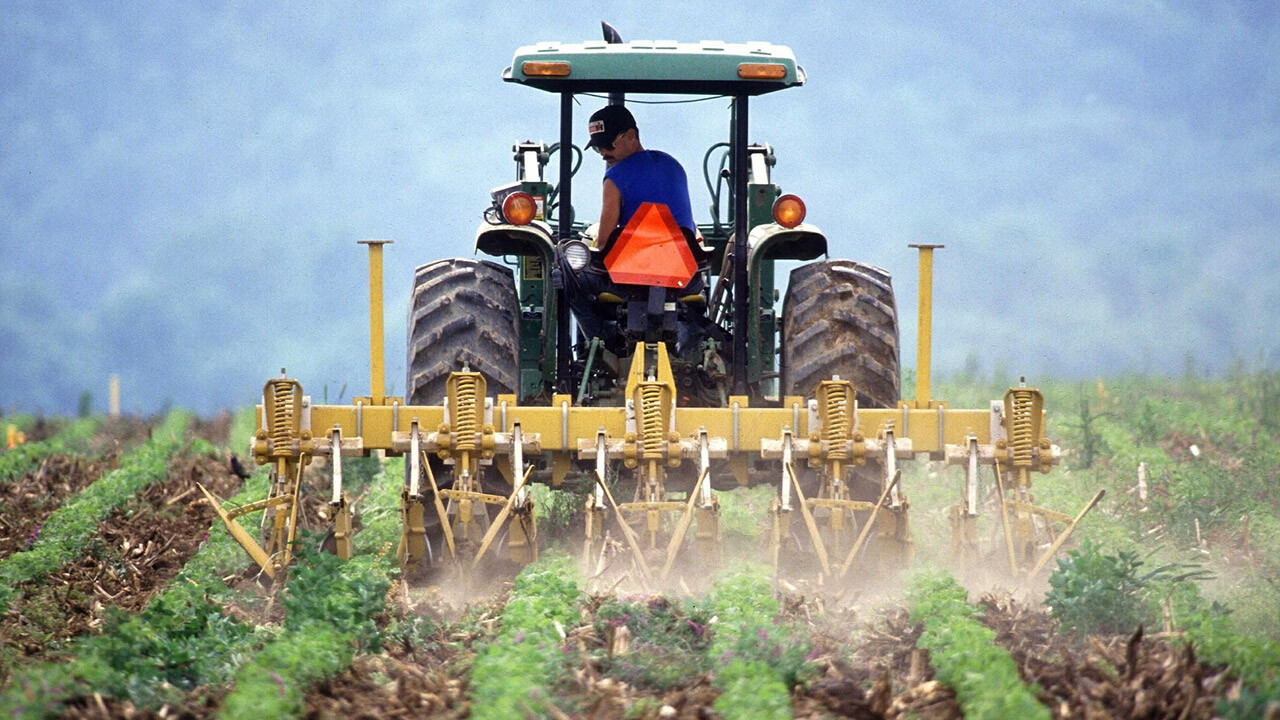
x,y
686,379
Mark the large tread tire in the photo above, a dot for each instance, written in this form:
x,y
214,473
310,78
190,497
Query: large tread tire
x,y
839,318
464,313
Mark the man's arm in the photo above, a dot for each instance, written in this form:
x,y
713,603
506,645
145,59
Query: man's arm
x,y
610,211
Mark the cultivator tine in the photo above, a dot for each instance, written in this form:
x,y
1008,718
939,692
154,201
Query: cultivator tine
x,y
1007,527
871,523
632,540
496,526
342,545
682,526
819,545
593,543
241,535
445,527
1066,533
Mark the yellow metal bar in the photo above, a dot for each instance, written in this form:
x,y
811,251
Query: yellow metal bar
x,y
682,526
1066,533
866,529
496,526
377,346
755,424
924,326
241,535
818,545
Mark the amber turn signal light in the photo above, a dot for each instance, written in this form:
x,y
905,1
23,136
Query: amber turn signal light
x,y
788,211
519,208
545,69
761,71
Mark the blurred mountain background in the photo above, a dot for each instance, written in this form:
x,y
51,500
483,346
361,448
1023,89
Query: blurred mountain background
x,y
182,185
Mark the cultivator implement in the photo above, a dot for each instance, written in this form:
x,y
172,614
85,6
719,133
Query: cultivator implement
x,y
651,449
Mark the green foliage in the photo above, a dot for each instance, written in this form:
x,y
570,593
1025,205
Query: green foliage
x,y
330,606
1255,659
1093,592
65,532
669,645
758,661
74,438
329,609
965,655
181,640
514,675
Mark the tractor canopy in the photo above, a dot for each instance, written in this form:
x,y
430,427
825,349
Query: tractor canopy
x,y
709,67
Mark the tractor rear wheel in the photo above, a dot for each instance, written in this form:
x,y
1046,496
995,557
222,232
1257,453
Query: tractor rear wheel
x,y
839,318
464,313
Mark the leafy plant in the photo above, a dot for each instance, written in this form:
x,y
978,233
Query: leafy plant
x,y
965,655
65,532
514,675
1093,592
669,644
758,662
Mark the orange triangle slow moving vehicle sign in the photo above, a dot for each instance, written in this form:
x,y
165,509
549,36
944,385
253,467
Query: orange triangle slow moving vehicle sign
x,y
651,250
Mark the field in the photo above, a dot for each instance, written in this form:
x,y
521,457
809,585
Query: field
x,y
122,595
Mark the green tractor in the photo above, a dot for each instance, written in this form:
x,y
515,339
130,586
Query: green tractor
x,y
680,377
509,319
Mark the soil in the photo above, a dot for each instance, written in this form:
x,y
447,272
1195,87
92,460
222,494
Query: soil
x,y
26,502
1123,677
138,549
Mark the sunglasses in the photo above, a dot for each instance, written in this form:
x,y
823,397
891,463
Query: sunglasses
x,y
600,148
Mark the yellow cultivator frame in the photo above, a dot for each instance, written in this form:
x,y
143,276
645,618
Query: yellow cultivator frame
x,y
666,449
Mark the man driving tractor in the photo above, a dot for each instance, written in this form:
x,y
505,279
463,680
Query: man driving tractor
x,y
633,178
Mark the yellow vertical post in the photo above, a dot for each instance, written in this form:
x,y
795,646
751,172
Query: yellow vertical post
x,y
114,394
924,327
377,346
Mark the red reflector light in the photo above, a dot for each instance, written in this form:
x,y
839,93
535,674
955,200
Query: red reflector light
x,y
545,69
762,71
519,208
651,250
788,211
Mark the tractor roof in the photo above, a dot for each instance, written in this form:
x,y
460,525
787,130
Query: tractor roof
x,y
709,67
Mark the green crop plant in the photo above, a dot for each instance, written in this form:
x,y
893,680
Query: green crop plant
x,y
964,653
64,534
758,661
182,639
514,676
330,606
669,641
1094,592
74,438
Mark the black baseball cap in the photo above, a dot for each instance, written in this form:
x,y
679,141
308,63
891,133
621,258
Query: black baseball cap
x,y
608,123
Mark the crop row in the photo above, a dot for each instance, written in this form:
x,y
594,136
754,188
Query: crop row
x,y
73,438
64,533
965,655
758,662
330,607
513,676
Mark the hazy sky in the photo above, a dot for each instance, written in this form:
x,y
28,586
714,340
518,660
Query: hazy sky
x,y
182,185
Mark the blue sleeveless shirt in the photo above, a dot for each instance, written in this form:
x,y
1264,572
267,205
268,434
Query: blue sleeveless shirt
x,y
651,176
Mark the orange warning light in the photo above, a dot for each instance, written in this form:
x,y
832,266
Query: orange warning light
x,y
651,250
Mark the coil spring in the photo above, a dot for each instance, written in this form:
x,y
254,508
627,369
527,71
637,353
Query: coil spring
x,y
1021,428
835,425
466,411
652,433
282,415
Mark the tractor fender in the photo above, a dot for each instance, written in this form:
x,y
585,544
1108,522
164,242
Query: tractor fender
x,y
505,239
772,241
